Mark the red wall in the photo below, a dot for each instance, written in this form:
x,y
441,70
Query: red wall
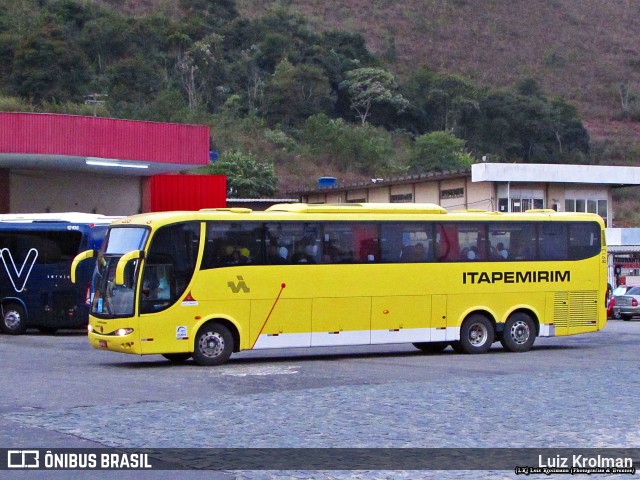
x,y
51,134
186,192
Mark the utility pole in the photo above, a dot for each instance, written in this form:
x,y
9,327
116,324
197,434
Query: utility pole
x,y
95,99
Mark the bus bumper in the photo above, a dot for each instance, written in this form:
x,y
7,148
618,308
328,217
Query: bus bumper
x,y
124,340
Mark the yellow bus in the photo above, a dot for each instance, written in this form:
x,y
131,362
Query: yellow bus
x,y
209,283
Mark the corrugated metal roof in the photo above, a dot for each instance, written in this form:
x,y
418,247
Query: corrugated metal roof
x,y
383,182
107,138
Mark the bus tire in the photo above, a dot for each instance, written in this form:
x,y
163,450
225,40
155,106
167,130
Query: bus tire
x,y
213,345
431,347
476,334
177,357
519,333
14,319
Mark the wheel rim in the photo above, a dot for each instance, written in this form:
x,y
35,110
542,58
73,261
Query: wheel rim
x,y
211,344
520,332
478,334
12,319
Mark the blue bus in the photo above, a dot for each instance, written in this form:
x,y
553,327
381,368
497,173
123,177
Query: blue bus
x,y
36,251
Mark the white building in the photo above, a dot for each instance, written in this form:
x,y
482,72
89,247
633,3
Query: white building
x,y
504,187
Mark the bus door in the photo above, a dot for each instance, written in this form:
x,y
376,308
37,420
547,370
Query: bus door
x,y
167,271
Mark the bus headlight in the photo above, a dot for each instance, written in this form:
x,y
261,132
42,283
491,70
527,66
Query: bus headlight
x,y
89,328
121,332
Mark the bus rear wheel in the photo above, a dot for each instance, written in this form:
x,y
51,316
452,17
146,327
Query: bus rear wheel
x,y
14,319
519,333
476,334
431,347
213,345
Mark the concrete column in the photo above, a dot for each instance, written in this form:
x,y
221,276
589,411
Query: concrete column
x,y
5,191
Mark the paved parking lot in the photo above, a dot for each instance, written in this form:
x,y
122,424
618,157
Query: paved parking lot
x,y
574,392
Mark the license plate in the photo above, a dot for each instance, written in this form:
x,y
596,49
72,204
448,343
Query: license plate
x,y
102,343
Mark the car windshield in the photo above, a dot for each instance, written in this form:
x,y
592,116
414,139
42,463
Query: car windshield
x,y
633,291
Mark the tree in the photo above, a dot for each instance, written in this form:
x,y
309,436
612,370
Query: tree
x,y
440,102
49,66
529,129
295,92
439,151
369,86
354,148
196,67
246,176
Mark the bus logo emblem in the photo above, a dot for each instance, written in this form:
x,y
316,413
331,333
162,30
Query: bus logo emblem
x,y
241,285
13,273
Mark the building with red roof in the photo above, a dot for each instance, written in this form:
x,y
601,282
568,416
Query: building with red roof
x,y
57,163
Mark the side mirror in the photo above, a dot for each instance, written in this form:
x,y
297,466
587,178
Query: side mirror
x,y
122,264
79,258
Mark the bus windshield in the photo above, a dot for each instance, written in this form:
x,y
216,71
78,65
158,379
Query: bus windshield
x,y
110,299
125,239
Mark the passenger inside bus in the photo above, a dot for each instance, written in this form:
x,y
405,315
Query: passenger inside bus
x,y
274,256
236,257
302,255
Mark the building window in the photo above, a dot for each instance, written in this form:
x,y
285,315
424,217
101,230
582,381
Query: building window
x,y
569,205
401,198
586,205
520,204
452,193
357,200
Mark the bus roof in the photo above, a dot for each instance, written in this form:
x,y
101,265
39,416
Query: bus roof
x,y
349,211
425,208
63,217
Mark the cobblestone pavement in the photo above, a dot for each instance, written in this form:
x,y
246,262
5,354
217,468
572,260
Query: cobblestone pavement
x,y
575,392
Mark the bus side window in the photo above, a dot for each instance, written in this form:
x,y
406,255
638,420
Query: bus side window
x,y
408,242
553,241
447,246
472,241
229,244
584,240
277,246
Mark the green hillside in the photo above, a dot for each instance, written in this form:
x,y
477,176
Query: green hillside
x,y
296,90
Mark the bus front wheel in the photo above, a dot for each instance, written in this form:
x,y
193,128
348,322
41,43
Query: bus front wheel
x,y
519,333
476,335
213,345
14,319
